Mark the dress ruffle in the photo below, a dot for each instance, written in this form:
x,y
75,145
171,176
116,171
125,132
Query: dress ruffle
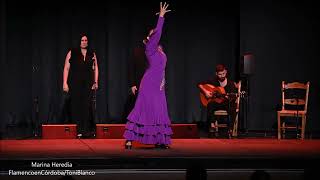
x,y
148,134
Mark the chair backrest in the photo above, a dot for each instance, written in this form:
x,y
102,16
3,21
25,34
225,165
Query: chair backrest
x,y
296,99
239,95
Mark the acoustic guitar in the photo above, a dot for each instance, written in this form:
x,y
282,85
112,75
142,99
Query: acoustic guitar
x,y
218,94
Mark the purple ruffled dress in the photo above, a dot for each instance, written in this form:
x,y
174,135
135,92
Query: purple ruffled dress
x,y
149,122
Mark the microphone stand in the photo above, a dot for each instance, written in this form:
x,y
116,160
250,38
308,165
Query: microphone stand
x,y
94,96
229,118
36,108
36,131
297,116
246,107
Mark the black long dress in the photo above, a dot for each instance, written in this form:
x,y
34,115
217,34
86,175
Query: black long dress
x,y
80,82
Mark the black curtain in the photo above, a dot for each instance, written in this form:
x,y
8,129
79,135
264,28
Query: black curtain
x,y
283,37
36,36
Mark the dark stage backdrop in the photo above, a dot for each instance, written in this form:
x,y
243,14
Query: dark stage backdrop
x,y
35,38
284,38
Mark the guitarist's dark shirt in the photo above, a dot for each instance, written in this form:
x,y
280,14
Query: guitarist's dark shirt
x,y
229,105
229,88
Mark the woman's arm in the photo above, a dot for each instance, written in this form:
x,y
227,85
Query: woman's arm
x,y
66,72
153,42
96,72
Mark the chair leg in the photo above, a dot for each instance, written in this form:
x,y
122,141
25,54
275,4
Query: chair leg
x,y
212,129
279,129
216,128
212,125
283,130
303,126
235,127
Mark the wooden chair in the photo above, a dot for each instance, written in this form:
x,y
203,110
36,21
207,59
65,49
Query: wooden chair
x,y
215,125
295,101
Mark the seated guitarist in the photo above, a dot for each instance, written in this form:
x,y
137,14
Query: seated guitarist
x,y
224,101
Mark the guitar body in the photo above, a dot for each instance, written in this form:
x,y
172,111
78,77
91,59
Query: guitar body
x,y
215,91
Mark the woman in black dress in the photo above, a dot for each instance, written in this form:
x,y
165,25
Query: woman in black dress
x,y
80,79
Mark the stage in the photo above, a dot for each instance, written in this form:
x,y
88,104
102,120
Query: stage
x,y
241,153
215,154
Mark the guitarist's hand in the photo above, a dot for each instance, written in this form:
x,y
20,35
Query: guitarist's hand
x,y
208,94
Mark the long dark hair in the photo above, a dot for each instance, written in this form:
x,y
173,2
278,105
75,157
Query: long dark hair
x,y
80,37
90,51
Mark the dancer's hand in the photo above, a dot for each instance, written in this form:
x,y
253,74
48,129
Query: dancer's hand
x,y
134,89
163,9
